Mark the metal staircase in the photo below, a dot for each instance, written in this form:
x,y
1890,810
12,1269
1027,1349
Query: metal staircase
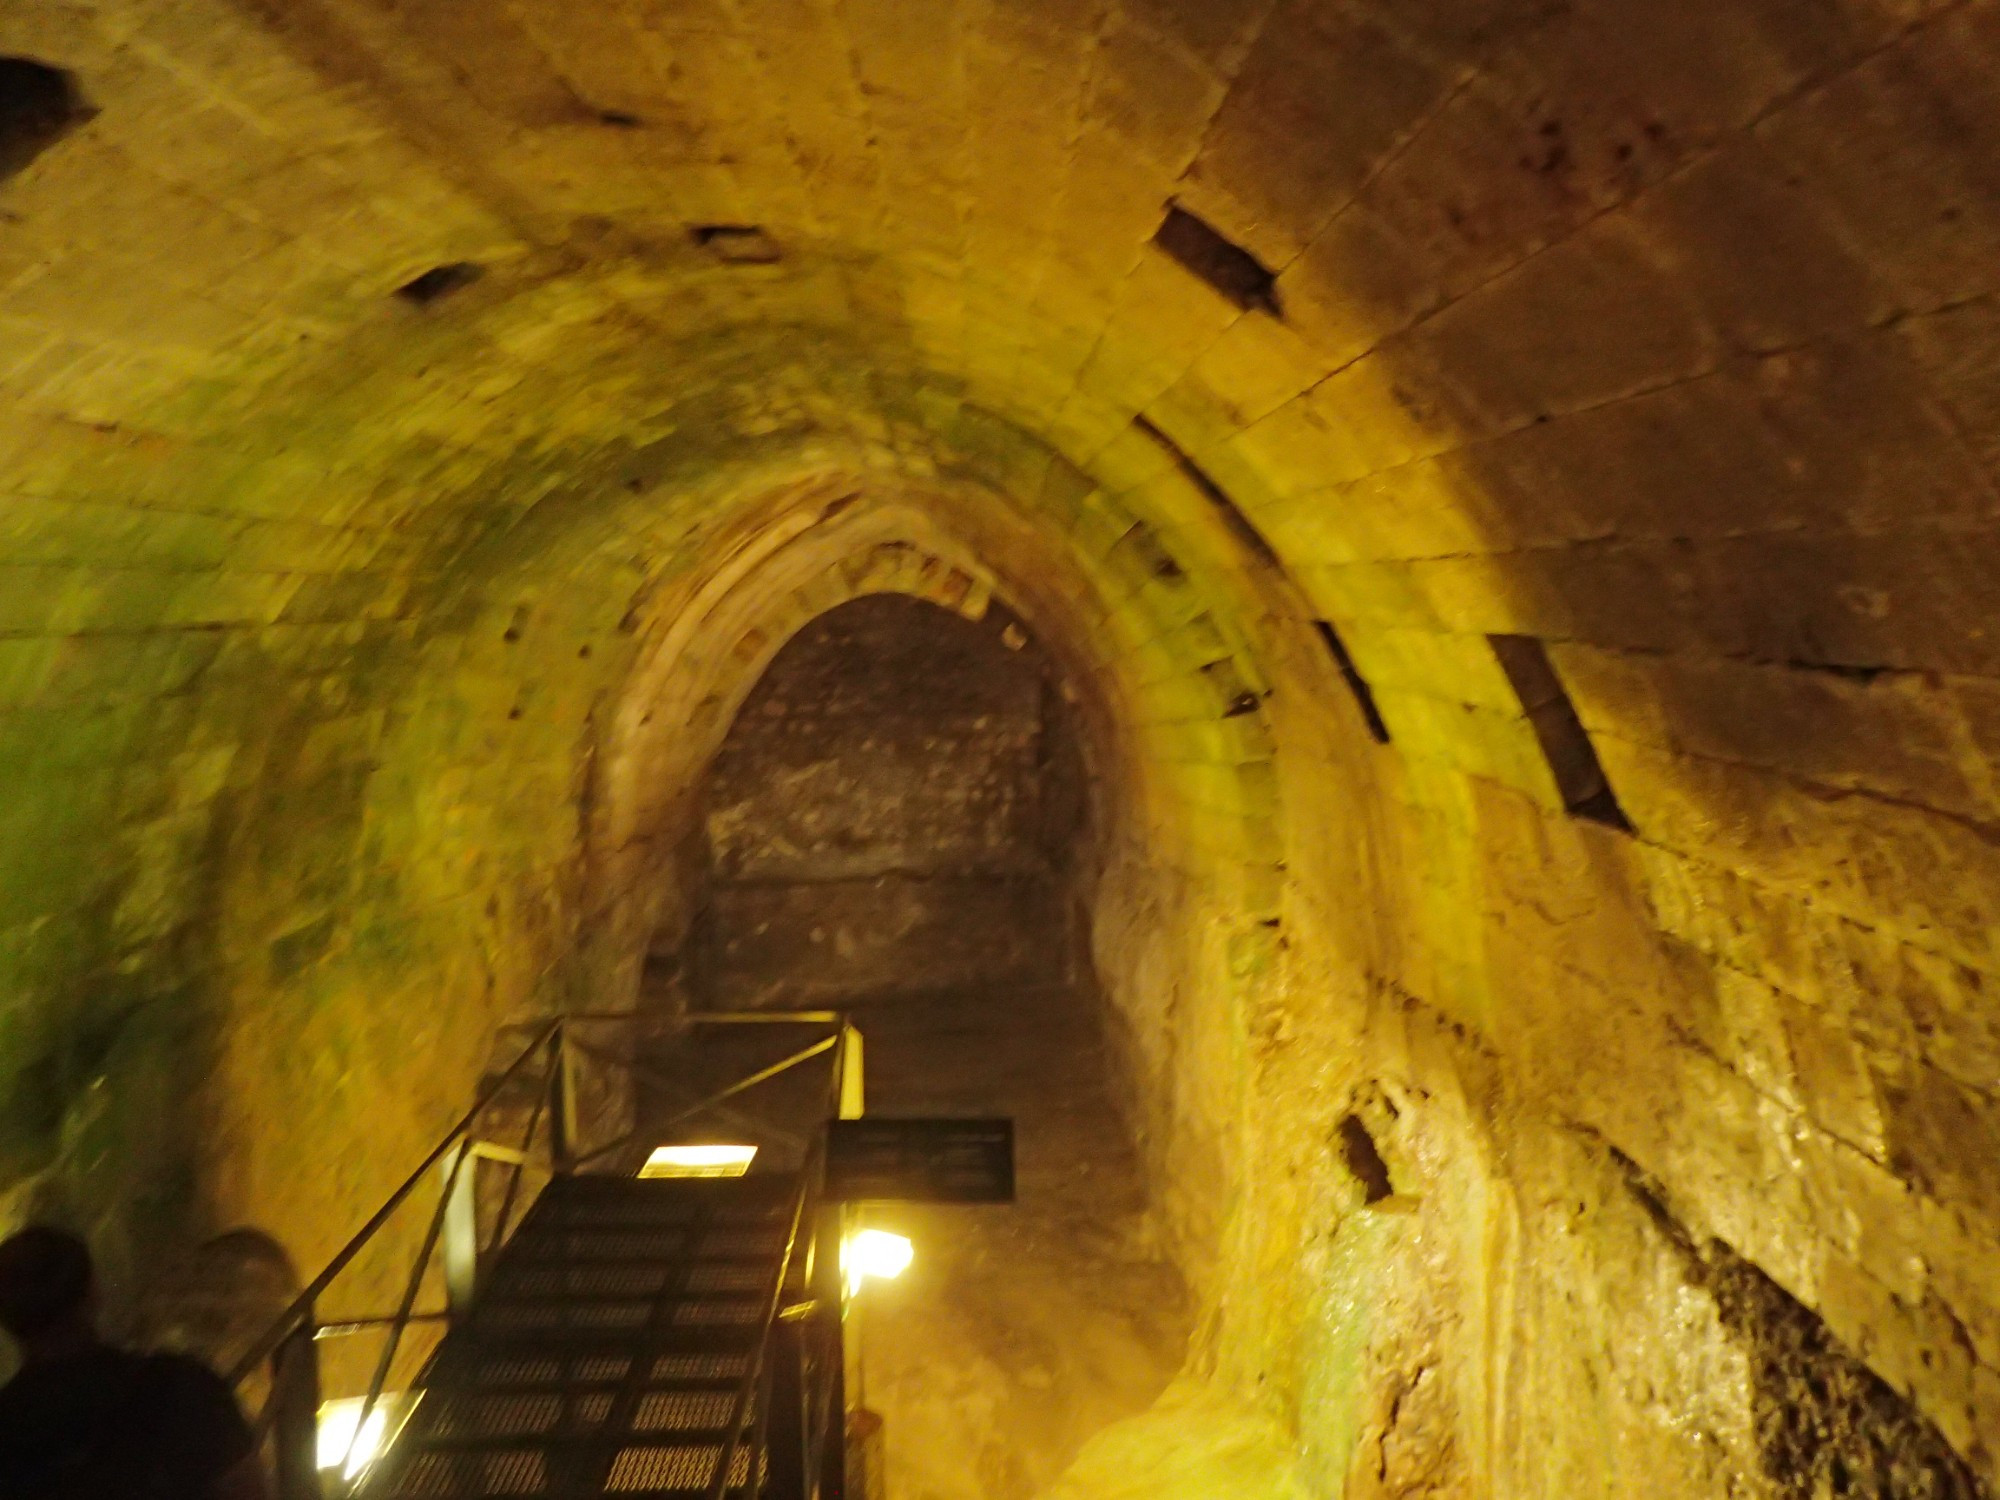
x,y
612,1347
624,1336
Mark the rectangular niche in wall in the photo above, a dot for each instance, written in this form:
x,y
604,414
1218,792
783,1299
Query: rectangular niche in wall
x,y
1580,778
1198,247
39,105
1364,696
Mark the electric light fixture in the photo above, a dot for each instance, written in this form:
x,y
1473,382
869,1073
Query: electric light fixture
x,y
715,1160
343,1443
874,1252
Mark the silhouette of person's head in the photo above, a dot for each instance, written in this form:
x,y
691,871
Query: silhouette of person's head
x,y
46,1286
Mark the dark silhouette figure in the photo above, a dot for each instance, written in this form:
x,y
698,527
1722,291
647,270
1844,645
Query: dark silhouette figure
x,y
85,1421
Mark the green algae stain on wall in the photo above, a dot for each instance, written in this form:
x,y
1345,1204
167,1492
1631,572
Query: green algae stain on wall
x,y
102,1062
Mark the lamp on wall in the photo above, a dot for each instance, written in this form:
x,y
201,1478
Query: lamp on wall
x,y
874,1252
345,1443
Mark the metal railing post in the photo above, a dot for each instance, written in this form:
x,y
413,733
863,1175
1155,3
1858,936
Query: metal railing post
x,y
295,1400
853,1095
833,1446
829,1284
266,1346
562,1103
785,1433
386,1364
829,1291
459,1238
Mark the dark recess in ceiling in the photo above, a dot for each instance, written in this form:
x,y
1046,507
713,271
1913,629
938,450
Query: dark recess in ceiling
x,y
439,281
738,244
1259,546
1586,791
1364,695
1226,266
39,105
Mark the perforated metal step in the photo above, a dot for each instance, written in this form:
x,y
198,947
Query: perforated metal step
x,y
605,1350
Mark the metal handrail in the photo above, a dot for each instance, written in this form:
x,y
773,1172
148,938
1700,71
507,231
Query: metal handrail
x,y
712,1104
718,1017
809,1181
741,1085
301,1305
550,1030
402,1319
291,1407
753,1375
514,1179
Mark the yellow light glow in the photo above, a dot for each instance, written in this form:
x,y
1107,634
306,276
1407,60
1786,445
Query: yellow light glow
x,y
874,1252
699,1161
340,1445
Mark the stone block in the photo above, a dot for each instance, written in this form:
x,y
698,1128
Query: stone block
x,y
1323,96
1944,1138
1768,267
1882,146
1583,324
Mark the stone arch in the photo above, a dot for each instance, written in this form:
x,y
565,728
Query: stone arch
x,y
807,551
1186,890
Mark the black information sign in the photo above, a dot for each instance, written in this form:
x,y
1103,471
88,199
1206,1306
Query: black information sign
x,y
920,1161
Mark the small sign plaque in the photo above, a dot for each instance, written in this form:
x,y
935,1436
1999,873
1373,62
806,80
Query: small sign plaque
x,y
920,1161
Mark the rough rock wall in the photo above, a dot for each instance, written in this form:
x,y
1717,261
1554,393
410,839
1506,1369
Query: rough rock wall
x,y
1528,1309
878,817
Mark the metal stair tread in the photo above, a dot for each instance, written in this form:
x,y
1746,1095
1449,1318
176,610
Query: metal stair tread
x,y
608,1339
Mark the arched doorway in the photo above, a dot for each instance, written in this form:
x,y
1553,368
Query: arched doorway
x,y
899,808
898,824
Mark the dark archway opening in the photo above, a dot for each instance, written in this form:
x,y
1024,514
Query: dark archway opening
x,y
899,825
899,807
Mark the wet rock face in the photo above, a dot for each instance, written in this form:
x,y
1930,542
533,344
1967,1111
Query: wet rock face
x,y
1827,1425
1823,1424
